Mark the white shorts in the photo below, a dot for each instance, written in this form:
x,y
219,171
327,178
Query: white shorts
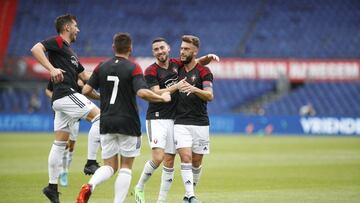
x,y
124,145
70,109
74,130
194,136
161,134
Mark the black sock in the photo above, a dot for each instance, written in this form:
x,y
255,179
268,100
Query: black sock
x,y
53,187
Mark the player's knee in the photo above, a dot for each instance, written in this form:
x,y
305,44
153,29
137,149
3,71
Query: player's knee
x,y
169,163
186,158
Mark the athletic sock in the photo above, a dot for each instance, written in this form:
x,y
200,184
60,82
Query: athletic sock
x,y
167,178
55,159
196,175
94,139
122,184
69,159
148,170
65,160
187,177
101,174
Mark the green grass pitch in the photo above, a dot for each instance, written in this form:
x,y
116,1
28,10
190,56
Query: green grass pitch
x,y
239,169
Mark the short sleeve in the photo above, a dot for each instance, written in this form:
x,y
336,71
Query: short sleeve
x,y
206,75
80,68
151,76
139,83
53,43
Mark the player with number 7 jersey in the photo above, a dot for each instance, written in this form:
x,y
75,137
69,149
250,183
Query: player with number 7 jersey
x,y
119,81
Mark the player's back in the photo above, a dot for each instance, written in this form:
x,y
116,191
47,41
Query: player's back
x,y
118,97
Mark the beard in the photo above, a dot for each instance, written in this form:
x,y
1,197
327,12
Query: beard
x,y
162,58
187,60
73,38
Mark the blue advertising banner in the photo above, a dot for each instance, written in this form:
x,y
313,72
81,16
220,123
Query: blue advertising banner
x,y
227,123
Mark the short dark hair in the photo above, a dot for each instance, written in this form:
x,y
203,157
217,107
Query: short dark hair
x,y
122,42
63,20
159,39
192,40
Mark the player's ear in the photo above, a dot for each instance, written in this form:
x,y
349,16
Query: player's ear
x,y
67,27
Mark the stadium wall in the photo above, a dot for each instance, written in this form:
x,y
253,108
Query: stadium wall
x,y
228,124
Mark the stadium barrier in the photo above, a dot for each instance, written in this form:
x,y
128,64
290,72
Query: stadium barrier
x,y
297,70
224,124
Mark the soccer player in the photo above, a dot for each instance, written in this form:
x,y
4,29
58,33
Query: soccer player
x,y
191,128
162,76
69,106
93,144
119,81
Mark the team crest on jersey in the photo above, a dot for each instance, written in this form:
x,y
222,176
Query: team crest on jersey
x,y
193,78
74,61
175,70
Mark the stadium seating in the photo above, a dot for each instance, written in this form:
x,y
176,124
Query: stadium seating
x,y
231,94
274,28
328,99
233,28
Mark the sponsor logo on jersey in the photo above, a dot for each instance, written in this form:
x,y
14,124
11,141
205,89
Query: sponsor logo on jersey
x,y
74,61
170,82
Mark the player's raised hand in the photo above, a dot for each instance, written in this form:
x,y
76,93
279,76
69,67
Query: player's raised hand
x,y
213,57
166,96
56,75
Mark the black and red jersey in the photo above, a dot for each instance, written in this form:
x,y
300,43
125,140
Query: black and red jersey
x,y
62,56
191,110
118,81
156,75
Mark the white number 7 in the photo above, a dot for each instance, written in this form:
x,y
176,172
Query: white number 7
x,y
115,88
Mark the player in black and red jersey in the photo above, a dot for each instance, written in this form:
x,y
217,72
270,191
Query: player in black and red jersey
x,y
119,81
162,76
191,128
93,144
69,105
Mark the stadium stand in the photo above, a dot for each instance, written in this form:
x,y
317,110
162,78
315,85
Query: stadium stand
x,y
311,29
274,28
328,99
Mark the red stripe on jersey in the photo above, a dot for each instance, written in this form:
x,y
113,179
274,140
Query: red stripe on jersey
x,y
203,71
137,70
151,70
59,41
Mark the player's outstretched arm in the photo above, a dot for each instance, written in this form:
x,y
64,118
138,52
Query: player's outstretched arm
x,y
205,60
150,96
87,90
38,51
85,76
171,89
